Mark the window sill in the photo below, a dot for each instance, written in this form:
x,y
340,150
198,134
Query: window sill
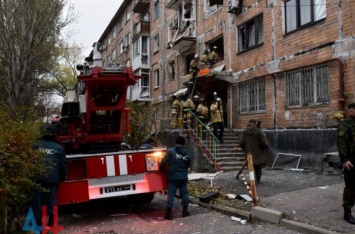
x,y
304,107
304,27
250,48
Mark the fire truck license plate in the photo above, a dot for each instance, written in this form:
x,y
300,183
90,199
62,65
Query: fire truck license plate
x,y
115,189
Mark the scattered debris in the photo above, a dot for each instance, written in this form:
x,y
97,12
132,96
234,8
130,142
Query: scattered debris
x,y
77,216
245,197
284,161
236,218
208,196
115,215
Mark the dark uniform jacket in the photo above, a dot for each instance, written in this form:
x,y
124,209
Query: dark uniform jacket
x,y
54,161
177,160
345,140
253,140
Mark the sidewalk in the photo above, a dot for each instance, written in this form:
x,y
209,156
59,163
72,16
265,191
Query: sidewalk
x,y
303,200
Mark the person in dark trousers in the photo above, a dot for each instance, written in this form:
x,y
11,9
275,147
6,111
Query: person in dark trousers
x,y
216,110
54,159
346,151
253,140
176,162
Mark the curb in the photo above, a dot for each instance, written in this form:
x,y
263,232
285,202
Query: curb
x,y
265,215
224,209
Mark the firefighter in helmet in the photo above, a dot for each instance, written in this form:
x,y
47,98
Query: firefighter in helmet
x,y
214,55
175,112
205,58
193,71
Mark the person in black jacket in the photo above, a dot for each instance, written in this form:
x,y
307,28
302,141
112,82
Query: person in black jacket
x,y
177,161
54,159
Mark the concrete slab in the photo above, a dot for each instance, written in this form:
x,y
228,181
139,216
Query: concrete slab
x,y
265,215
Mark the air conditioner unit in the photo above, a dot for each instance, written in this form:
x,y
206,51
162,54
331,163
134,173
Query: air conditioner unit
x,y
102,47
124,48
174,25
233,6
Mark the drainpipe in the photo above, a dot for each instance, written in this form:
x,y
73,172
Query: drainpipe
x,y
275,98
163,62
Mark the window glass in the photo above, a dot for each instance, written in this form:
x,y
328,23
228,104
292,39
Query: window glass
x,y
251,96
305,11
320,9
307,86
299,13
251,33
290,15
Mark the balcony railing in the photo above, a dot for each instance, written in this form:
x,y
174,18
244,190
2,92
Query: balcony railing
x,y
142,27
141,6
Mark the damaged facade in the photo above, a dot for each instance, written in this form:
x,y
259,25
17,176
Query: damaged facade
x,y
287,64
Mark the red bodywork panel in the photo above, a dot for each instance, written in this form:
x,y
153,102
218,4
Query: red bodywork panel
x,y
97,113
91,129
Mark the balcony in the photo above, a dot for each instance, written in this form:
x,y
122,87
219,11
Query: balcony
x,y
216,2
141,6
184,38
141,28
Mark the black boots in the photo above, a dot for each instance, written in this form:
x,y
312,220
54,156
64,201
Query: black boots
x,y
348,217
185,213
168,213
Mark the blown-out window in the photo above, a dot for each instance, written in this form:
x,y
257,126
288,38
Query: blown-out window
x,y
251,34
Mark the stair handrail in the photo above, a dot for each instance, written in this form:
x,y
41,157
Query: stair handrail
x,y
204,135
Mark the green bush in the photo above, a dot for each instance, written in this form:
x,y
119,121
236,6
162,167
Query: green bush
x,y
19,162
141,119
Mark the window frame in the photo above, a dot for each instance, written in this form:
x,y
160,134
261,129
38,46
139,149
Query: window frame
x,y
251,96
209,10
299,11
244,31
156,43
156,79
156,10
171,70
309,84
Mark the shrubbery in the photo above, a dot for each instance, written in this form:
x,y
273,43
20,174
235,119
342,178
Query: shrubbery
x,y
19,162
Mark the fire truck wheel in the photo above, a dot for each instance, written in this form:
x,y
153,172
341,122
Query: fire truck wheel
x,y
141,198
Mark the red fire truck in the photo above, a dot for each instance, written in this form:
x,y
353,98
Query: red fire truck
x,y
93,120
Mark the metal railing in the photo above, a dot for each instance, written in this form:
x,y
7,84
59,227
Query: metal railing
x,y
202,135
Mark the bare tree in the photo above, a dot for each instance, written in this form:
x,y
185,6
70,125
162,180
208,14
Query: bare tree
x,y
63,76
29,39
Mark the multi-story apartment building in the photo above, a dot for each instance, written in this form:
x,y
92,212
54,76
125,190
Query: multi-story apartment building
x,y
290,63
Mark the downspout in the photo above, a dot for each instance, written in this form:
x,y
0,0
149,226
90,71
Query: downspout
x,y
163,63
275,98
341,99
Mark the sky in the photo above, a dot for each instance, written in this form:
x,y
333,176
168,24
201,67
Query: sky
x,y
93,18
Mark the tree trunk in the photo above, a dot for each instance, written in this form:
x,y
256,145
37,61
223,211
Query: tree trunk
x,y
3,219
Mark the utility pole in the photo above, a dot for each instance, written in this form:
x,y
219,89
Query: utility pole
x,y
163,61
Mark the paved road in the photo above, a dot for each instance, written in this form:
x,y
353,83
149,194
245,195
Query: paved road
x,y
117,216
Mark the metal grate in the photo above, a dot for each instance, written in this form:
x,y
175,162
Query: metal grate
x,y
251,96
307,86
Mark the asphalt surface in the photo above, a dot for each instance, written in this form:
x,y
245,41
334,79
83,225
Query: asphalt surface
x,y
308,201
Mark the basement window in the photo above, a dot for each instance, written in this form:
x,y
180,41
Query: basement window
x,y
307,86
251,96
